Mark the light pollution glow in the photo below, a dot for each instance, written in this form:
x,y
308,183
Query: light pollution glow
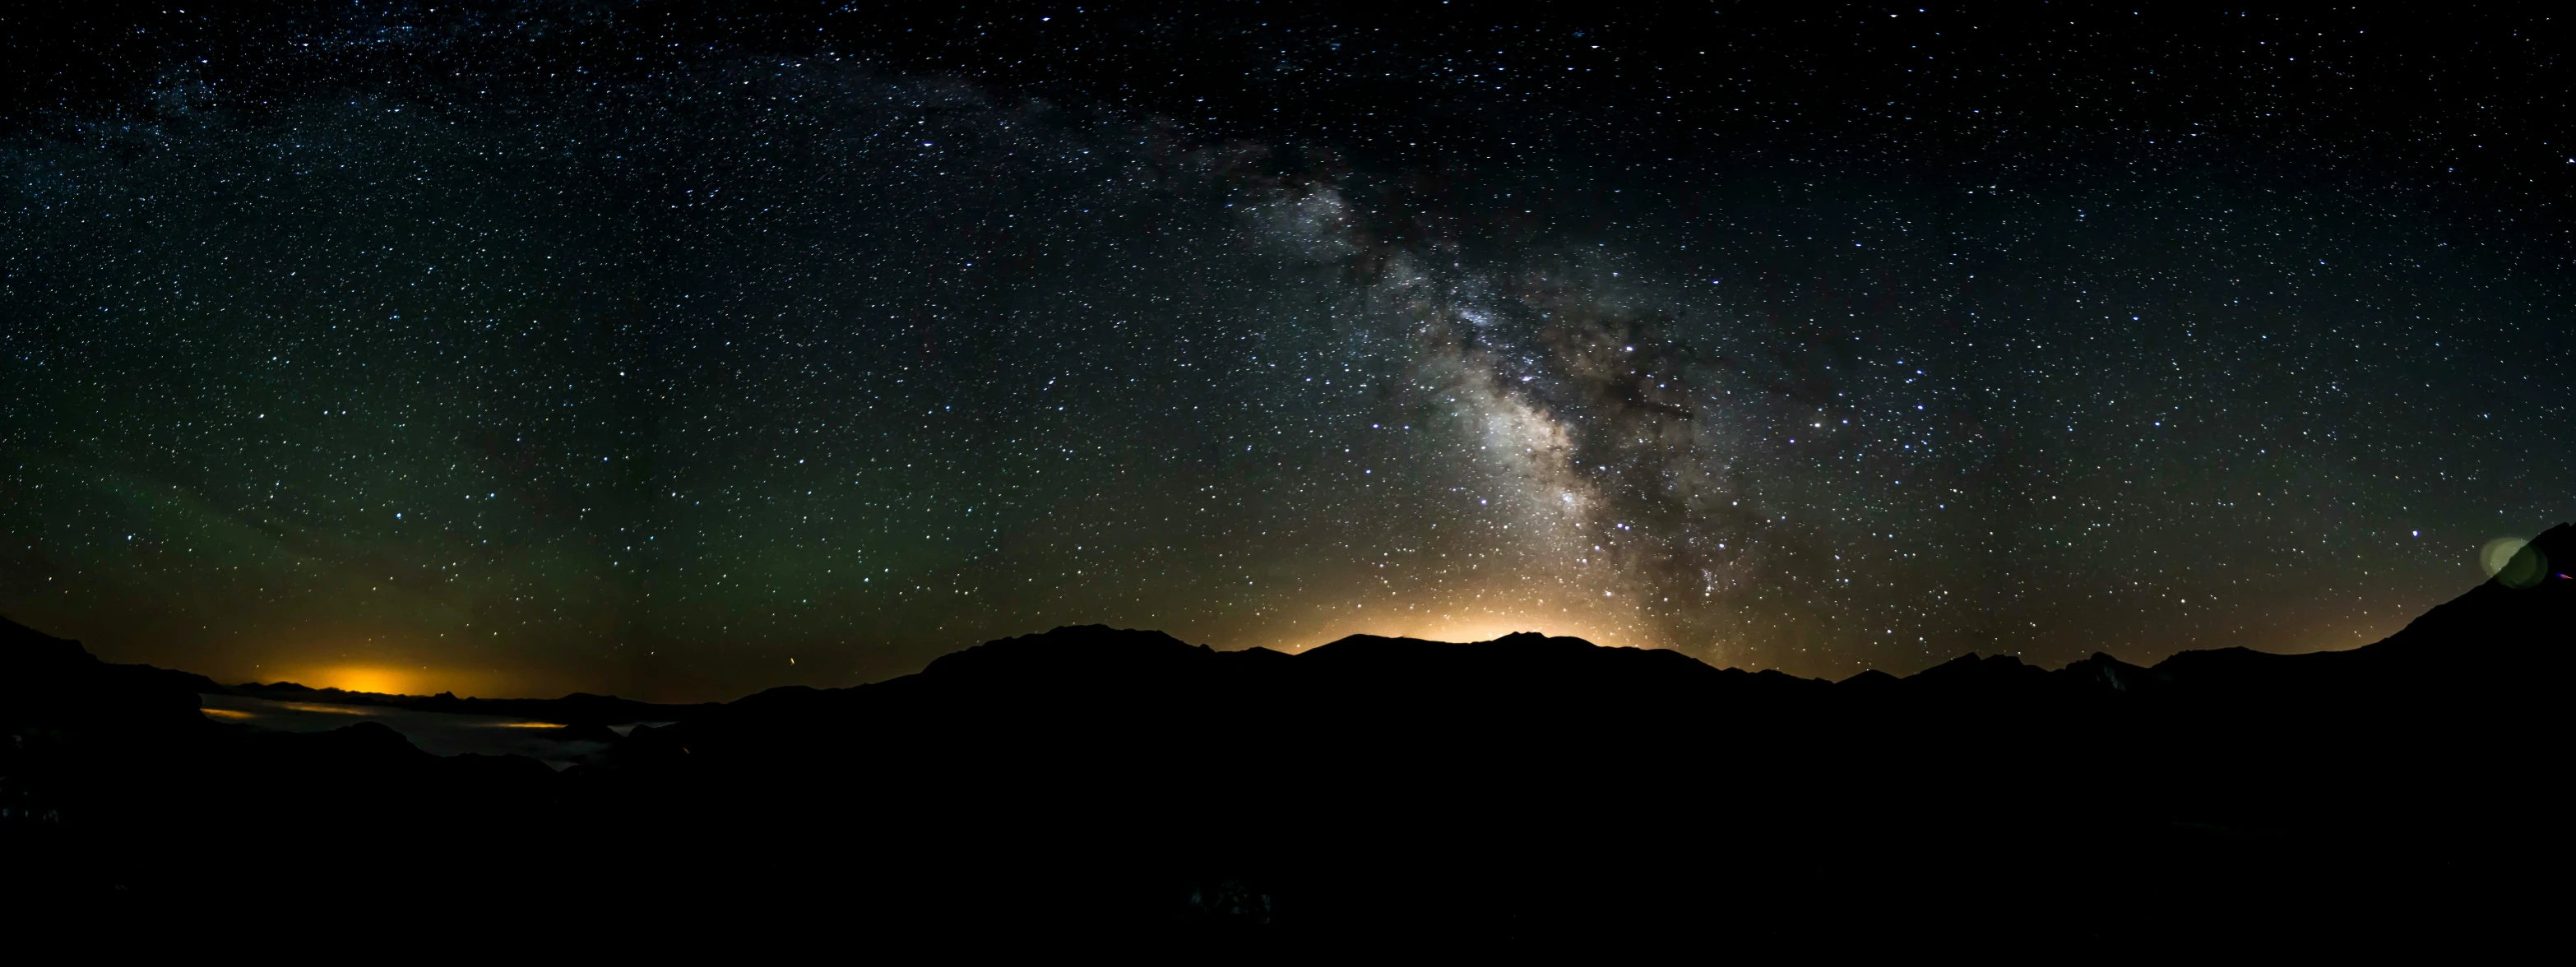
x,y
391,679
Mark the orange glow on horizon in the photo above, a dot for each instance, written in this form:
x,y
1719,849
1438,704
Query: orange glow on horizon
x,y
364,678
386,679
1431,625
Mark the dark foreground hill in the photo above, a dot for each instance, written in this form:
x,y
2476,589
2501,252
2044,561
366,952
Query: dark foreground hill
x,y
1093,783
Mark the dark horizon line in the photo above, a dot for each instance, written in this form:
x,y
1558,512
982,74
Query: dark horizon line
x,y
247,687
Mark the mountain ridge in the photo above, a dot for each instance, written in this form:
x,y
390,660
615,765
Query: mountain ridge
x,y
1376,786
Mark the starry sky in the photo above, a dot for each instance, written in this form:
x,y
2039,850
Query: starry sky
x,y
679,351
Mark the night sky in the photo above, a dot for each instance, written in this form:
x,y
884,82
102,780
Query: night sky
x,y
525,348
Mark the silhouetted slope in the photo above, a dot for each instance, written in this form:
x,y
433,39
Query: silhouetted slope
x,y
46,680
114,788
1520,791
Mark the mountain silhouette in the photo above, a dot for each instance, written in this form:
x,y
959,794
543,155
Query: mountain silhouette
x,y
1092,782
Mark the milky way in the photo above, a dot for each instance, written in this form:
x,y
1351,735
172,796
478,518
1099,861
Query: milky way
x,y
754,368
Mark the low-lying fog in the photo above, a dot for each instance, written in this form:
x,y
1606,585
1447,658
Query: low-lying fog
x,y
438,733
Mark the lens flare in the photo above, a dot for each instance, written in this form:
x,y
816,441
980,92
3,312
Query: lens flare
x,y
2513,562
